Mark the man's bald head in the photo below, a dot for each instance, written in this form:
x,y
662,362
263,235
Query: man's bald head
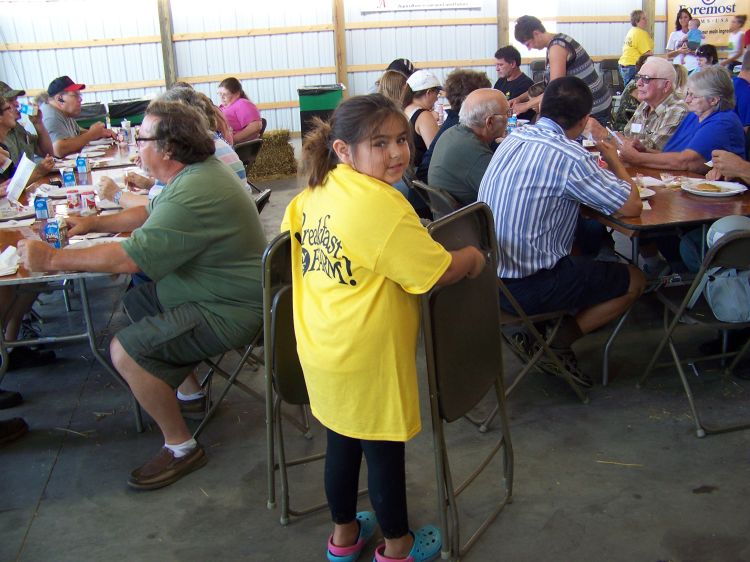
x,y
485,111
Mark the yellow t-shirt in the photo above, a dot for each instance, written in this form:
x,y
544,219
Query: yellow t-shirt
x,y
637,42
359,258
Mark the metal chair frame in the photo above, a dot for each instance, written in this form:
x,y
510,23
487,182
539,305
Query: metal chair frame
x,y
464,361
247,152
440,202
732,250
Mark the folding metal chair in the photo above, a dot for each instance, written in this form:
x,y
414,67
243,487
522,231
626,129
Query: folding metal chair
x,y
439,201
262,199
264,124
248,152
461,325
731,251
537,67
610,72
284,378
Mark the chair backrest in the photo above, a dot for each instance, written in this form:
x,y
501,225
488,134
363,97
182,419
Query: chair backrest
x,y
262,200
732,250
284,366
441,202
461,322
247,152
264,123
537,70
611,75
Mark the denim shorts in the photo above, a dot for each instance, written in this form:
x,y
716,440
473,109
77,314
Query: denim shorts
x,y
574,283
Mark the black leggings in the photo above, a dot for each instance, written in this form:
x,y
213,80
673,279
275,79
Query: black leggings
x,y
386,481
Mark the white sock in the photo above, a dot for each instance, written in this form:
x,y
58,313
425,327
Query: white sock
x,y
193,396
182,449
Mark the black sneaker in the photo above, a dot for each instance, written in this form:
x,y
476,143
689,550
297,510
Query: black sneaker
x,y
9,399
569,361
25,358
12,429
519,343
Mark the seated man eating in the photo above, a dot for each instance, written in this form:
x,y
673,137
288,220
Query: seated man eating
x,y
203,249
535,184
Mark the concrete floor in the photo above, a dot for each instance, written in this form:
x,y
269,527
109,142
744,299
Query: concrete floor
x,y
623,478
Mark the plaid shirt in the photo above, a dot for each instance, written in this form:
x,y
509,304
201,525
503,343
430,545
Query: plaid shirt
x,y
658,124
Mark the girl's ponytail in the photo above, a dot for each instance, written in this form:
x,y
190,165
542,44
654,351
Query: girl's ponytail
x,y
318,157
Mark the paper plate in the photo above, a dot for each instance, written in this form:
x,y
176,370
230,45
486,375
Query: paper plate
x,y
16,214
645,192
728,188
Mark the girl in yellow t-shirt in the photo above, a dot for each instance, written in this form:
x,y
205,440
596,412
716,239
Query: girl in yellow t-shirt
x,y
360,257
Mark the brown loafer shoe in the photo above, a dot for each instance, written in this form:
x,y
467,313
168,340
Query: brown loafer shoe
x,y
164,469
12,429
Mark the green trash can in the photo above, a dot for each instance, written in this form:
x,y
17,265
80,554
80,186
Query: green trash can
x,y
134,110
318,101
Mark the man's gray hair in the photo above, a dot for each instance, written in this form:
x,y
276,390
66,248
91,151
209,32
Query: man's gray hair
x,y
713,81
474,114
663,67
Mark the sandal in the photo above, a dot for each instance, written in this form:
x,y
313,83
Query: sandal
x,y
367,523
427,545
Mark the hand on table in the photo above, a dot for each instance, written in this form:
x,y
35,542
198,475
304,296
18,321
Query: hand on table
x,y
4,189
595,128
628,151
608,151
106,188
714,174
46,165
80,225
34,255
730,165
133,179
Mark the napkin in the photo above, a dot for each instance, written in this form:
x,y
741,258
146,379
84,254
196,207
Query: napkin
x,y
17,223
9,261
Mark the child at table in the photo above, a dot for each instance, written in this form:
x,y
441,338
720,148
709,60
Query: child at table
x,y
360,257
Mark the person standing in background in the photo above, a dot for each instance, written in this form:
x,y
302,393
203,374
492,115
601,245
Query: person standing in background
x,y
736,44
637,44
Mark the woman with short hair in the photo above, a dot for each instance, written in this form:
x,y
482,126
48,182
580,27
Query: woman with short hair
x,y
637,43
711,125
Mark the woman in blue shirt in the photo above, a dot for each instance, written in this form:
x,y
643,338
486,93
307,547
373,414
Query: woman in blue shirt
x,y
711,125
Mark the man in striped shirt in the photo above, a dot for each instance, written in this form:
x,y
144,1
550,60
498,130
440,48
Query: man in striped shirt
x,y
535,184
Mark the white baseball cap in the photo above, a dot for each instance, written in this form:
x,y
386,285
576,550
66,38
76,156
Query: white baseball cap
x,y
423,80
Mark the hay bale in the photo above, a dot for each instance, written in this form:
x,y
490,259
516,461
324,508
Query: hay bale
x,y
276,158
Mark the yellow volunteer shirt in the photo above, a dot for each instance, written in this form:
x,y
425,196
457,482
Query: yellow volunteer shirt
x,y
360,257
637,42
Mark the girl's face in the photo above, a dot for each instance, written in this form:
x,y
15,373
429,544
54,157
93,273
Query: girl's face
x,y
684,20
383,156
735,25
704,62
226,96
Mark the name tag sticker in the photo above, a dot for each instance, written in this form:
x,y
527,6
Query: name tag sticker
x,y
636,128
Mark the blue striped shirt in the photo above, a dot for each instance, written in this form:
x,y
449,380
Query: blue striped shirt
x,y
534,185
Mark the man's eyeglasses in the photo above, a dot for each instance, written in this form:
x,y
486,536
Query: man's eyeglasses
x,y
507,114
646,79
74,95
140,140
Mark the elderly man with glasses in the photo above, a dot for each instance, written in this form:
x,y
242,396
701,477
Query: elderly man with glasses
x,y
202,245
62,107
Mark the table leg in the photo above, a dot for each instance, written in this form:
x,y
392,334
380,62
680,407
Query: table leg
x,y
103,360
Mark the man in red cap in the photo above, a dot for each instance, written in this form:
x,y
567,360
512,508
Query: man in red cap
x,y
60,111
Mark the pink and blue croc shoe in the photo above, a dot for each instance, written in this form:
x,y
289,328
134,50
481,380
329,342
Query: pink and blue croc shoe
x,y
427,545
367,523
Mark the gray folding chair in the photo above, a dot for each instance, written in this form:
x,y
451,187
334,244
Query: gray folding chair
x,y
264,124
610,71
439,201
262,199
285,382
247,152
731,251
537,68
461,325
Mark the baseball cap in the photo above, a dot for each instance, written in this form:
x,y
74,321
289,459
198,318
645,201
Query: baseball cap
x,y
423,80
404,66
8,92
63,84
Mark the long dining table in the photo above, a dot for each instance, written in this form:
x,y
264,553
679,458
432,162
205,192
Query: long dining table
x,y
40,281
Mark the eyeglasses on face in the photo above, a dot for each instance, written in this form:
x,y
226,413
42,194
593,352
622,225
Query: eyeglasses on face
x,y
140,140
689,94
646,79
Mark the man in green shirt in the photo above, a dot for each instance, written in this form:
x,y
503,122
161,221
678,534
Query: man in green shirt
x,y
201,242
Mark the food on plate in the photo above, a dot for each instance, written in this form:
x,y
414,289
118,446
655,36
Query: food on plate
x,y
707,187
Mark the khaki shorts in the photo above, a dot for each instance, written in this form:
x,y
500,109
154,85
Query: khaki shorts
x,y
169,344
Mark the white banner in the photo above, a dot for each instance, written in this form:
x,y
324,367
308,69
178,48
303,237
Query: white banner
x,y
370,6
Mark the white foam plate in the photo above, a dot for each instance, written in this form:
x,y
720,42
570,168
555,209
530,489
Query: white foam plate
x,y
62,192
728,188
93,153
87,243
16,214
104,204
65,164
645,192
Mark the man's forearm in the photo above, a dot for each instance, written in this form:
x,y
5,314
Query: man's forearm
x,y
103,258
44,142
70,145
125,221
